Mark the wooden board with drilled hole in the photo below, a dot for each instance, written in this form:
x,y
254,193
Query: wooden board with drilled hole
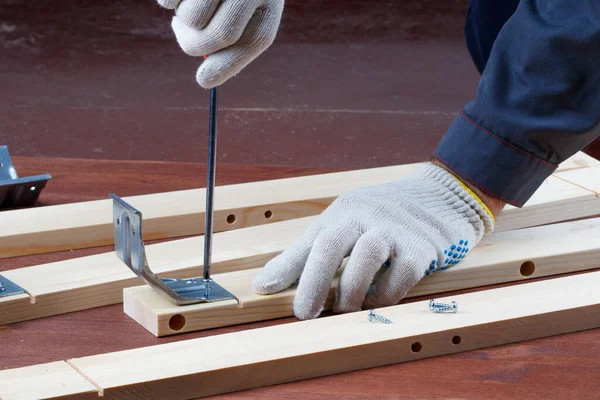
x,y
98,280
337,344
181,213
503,257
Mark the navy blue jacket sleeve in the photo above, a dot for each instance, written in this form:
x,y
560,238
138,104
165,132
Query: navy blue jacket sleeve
x,y
537,102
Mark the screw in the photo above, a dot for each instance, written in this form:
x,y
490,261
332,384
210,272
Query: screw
x,y
373,317
443,307
207,287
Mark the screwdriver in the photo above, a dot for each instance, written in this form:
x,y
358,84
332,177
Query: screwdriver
x,y
210,186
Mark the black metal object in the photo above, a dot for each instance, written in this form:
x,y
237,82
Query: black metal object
x,y
210,181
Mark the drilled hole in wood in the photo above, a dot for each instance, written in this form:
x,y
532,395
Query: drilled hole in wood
x,y
456,340
527,268
177,322
416,347
268,214
231,219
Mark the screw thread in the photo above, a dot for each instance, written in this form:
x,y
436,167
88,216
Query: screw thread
x,y
442,307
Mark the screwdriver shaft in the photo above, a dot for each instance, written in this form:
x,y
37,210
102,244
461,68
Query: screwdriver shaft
x,y
210,181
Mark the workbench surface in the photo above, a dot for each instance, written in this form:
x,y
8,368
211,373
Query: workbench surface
x,y
566,366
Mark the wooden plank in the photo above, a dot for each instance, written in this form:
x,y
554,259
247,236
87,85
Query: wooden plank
x,y
98,280
555,200
578,160
45,381
181,213
504,257
588,178
303,350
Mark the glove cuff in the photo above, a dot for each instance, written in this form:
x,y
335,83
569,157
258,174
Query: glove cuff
x,y
457,187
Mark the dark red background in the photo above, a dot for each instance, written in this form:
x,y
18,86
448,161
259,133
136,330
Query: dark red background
x,y
348,84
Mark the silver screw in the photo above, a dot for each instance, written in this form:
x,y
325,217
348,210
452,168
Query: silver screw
x,y
443,307
374,317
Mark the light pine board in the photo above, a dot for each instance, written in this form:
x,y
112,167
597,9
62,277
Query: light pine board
x,y
504,257
588,178
98,280
325,346
181,213
579,160
555,200
95,281
45,381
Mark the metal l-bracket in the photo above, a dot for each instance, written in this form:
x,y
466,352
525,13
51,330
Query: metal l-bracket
x,y
9,288
129,246
15,191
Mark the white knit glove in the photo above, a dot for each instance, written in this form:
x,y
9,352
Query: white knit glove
x,y
421,224
232,32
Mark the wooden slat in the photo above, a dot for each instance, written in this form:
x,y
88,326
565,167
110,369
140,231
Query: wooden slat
x,y
45,381
98,280
505,257
290,352
588,178
181,213
555,200
578,160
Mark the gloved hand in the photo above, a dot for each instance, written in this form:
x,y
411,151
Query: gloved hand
x,y
423,223
232,32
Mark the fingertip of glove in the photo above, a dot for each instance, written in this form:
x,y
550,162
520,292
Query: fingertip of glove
x,y
304,312
209,76
263,285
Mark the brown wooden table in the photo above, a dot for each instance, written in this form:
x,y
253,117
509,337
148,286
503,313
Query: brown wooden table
x,y
566,366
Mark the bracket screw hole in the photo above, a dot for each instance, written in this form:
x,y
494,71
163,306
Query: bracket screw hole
x,y
527,268
231,219
416,347
118,221
268,214
177,322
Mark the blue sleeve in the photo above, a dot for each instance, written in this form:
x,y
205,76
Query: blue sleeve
x,y
537,103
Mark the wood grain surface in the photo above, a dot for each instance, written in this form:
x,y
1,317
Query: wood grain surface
x,y
564,367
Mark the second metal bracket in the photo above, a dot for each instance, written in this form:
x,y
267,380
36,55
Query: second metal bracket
x,y
15,191
129,246
9,288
